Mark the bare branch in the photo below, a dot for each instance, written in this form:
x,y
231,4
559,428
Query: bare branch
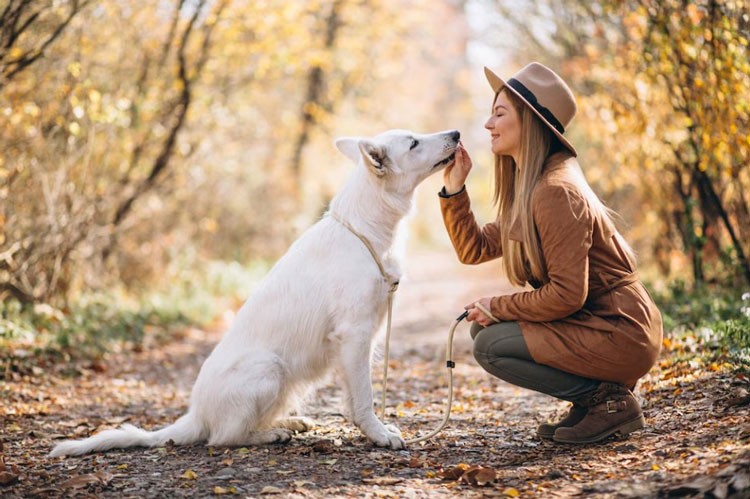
x,y
11,32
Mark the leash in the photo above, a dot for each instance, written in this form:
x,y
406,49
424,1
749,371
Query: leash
x,y
449,363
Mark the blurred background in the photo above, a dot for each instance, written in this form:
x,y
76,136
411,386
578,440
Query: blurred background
x,y
168,151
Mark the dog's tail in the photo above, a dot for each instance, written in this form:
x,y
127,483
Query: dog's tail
x,y
185,430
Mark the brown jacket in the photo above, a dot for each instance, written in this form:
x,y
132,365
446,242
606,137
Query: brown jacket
x,y
592,317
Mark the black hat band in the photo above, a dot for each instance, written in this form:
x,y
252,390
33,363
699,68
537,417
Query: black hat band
x,y
531,99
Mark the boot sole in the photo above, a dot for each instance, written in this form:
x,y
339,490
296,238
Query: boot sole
x,y
545,435
623,430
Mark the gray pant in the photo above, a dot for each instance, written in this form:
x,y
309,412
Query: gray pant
x,y
501,350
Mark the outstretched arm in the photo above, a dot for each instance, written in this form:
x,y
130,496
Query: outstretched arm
x,y
473,244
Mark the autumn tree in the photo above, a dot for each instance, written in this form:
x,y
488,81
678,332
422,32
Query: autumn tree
x,y
88,135
28,28
156,136
663,88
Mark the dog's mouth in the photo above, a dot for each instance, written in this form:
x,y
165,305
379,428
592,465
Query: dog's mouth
x,y
445,161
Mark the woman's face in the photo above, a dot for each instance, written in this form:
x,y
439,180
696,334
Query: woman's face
x,y
505,127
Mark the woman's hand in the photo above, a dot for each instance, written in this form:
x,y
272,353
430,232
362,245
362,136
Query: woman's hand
x,y
477,315
454,176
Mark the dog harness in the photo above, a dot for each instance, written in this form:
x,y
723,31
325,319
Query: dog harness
x,y
387,277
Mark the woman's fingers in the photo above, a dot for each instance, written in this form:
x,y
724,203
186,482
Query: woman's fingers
x,y
476,313
454,176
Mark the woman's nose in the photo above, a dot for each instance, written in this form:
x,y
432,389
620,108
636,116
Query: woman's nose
x,y
488,124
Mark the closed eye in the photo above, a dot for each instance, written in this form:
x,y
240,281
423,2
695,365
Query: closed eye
x,y
414,143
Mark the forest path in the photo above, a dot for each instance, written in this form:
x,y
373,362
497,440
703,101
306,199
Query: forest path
x,y
697,439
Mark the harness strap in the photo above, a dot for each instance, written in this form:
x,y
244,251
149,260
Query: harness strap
x,y
391,291
368,245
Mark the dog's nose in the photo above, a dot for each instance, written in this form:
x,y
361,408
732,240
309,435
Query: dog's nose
x,y
455,135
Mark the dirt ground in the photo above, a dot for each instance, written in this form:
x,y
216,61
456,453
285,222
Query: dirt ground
x,y
696,444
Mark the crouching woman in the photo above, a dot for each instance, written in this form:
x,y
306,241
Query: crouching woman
x,y
589,329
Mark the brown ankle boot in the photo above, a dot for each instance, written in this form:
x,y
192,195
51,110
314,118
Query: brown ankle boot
x,y
612,408
574,415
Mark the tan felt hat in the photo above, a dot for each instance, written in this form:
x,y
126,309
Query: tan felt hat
x,y
545,93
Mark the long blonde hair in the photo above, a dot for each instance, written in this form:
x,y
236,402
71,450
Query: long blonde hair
x,y
514,187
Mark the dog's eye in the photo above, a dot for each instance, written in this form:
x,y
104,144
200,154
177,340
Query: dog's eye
x,y
414,143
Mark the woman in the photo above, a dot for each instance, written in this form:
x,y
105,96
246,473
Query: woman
x,y
589,329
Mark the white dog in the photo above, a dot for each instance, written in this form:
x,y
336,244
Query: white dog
x,y
320,306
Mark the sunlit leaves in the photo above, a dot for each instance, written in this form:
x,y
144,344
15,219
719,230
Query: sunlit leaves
x,y
672,101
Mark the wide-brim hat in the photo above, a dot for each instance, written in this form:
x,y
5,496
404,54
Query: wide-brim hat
x,y
545,93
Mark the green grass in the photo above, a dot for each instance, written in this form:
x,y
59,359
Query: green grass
x,y
96,322
714,320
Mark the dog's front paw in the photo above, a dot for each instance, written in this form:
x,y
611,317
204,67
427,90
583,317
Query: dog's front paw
x,y
280,435
390,438
393,429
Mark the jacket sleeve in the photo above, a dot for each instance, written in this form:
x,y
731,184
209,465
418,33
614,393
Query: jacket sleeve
x,y
473,244
565,225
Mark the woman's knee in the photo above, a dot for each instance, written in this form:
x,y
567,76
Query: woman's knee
x,y
497,341
491,359
476,328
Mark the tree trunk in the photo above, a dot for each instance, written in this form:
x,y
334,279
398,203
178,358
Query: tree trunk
x,y
314,95
710,199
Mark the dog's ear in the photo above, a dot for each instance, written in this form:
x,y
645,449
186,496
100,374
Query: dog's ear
x,y
375,156
349,146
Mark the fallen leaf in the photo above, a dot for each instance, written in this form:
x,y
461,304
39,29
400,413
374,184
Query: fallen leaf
x,y
219,491
81,481
511,492
189,475
478,476
382,480
485,476
453,473
323,447
270,489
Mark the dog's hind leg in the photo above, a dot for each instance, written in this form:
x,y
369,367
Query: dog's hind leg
x,y
355,368
253,394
